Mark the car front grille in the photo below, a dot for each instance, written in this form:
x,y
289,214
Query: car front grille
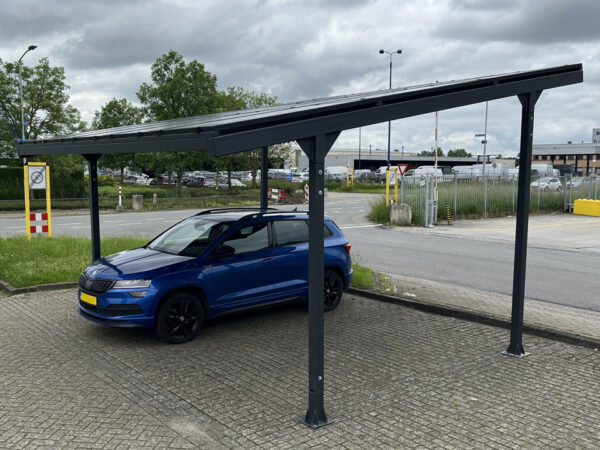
x,y
95,286
113,310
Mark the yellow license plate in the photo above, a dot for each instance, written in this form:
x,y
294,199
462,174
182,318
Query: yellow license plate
x,y
88,298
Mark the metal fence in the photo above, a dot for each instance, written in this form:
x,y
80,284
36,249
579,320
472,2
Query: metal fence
x,y
476,196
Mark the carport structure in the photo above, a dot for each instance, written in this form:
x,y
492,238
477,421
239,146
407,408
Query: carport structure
x,y
315,125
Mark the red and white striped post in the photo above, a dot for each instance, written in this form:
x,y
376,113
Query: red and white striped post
x,y
42,227
306,193
277,194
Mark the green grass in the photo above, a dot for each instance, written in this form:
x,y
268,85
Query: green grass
x,y
380,213
363,277
52,260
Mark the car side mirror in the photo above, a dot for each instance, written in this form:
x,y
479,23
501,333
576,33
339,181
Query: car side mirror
x,y
223,251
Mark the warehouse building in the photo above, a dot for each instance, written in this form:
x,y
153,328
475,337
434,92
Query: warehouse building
x,y
582,159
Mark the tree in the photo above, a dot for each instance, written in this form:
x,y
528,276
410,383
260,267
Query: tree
x,y
459,153
117,113
440,152
45,105
179,89
235,98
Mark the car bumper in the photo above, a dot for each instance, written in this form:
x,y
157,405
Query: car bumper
x,y
118,308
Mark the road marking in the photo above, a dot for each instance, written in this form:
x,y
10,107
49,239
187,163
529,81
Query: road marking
x,y
169,221
85,226
71,223
14,228
158,218
135,223
112,221
359,226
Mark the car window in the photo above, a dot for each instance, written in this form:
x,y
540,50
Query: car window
x,y
249,239
288,232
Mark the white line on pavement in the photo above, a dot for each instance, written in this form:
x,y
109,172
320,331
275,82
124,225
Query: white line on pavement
x,y
112,221
158,218
134,223
14,227
359,225
70,223
85,226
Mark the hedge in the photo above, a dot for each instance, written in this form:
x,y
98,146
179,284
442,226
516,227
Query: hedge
x,y
64,183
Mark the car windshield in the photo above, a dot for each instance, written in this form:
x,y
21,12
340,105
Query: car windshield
x,y
190,237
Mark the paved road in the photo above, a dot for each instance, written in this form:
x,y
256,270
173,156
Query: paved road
x,y
566,275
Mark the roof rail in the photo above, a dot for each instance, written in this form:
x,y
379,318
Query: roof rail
x,y
210,211
273,211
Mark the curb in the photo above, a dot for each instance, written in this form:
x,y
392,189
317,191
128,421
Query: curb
x,y
486,319
37,288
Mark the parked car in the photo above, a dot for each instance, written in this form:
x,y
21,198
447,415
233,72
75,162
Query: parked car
x,y
137,179
364,176
575,182
300,177
203,182
215,262
235,183
547,184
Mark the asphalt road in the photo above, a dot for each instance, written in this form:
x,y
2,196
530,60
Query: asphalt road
x,y
557,275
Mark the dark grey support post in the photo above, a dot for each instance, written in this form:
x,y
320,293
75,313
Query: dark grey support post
x,y
94,209
316,149
515,347
264,179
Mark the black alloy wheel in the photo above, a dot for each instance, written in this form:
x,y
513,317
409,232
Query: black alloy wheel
x,y
334,288
180,318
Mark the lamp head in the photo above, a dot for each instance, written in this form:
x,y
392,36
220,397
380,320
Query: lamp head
x,y
32,47
399,51
381,52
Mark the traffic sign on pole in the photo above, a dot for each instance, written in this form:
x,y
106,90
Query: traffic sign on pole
x,y
402,168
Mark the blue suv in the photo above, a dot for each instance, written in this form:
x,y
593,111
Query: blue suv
x,y
215,262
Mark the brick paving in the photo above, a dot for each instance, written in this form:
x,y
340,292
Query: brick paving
x,y
395,378
575,321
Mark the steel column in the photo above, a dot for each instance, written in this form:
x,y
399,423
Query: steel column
x,y
528,101
316,148
94,209
264,176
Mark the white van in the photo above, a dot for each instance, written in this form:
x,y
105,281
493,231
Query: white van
x,y
493,170
466,172
542,170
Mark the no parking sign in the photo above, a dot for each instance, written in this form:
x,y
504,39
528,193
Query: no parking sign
x,y
37,176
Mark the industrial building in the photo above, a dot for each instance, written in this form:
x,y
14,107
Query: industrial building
x,y
582,159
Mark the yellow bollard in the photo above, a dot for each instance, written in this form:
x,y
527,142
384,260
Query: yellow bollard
x,y
396,183
387,187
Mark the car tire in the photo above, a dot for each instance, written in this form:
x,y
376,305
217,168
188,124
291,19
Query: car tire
x,y
180,318
333,289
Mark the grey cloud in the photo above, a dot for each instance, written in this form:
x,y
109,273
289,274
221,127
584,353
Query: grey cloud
x,y
534,21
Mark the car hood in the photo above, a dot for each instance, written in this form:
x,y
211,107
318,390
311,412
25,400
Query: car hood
x,y
134,261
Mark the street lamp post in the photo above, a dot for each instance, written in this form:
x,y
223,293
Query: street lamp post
x,y
31,47
381,52
484,142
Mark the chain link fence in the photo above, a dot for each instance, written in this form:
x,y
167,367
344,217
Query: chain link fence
x,y
464,197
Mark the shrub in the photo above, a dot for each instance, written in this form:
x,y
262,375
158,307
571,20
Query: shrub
x,y
380,212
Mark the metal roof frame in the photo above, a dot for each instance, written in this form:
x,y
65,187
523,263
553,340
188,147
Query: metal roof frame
x,y
315,125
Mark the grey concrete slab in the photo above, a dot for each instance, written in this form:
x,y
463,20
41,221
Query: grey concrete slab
x,y
395,378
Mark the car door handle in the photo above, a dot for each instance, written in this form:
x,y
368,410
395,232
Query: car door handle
x,y
268,260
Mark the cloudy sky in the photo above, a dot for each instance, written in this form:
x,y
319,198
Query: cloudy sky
x,y
301,49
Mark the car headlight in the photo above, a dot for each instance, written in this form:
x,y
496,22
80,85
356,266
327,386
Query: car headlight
x,y
132,284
